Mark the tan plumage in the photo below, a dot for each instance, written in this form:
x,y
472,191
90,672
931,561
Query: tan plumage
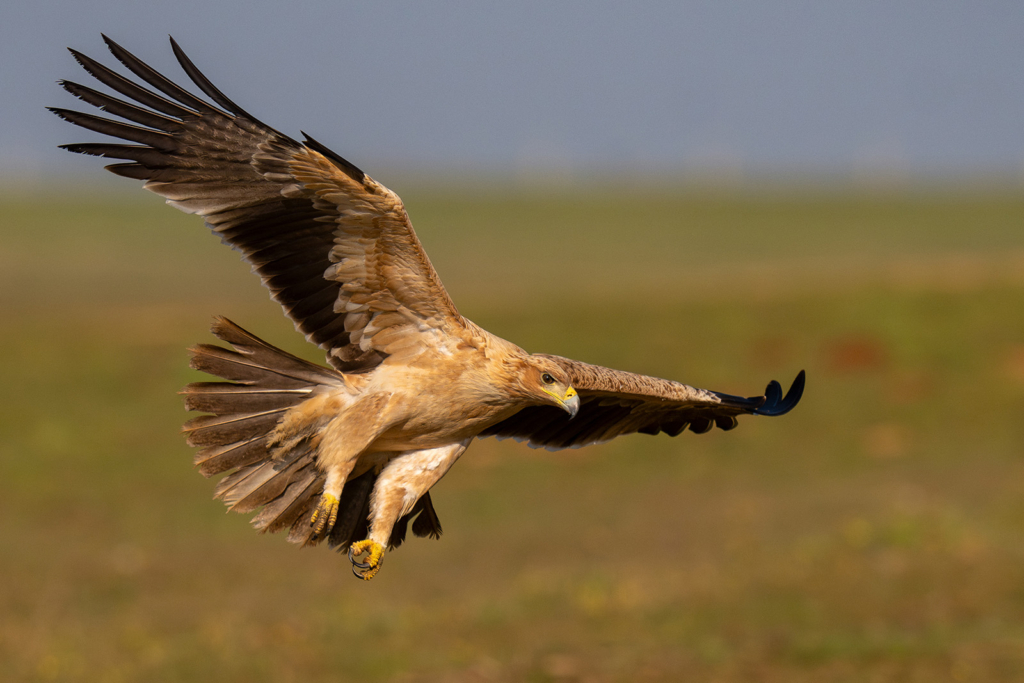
x,y
349,453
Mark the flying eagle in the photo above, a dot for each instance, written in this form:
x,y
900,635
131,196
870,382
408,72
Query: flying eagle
x,y
348,453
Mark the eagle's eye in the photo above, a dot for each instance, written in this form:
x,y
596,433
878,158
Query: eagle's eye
x,y
548,379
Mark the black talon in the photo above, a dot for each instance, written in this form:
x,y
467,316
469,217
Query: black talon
x,y
355,563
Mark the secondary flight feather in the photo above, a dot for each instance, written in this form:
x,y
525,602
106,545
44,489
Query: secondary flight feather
x,y
347,454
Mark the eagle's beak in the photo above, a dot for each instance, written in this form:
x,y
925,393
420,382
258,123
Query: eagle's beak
x,y
571,402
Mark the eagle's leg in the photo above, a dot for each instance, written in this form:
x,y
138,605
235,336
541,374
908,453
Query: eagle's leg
x,y
339,445
326,512
400,484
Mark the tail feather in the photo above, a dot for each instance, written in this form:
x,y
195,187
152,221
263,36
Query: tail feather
x,y
216,459
221,397
297,515
293,503
254,360
244,367
263,489
241,483
299,512
221,430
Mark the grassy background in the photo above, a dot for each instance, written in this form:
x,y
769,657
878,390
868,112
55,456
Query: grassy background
x,y
874,534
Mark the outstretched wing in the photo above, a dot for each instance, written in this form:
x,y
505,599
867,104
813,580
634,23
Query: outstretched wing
x,y
614,403
335,248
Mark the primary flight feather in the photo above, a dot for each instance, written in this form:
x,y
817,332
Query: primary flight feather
x,y
348,454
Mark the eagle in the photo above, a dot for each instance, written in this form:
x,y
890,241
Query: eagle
x,y
348,453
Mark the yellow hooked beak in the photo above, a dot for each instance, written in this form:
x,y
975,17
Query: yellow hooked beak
x,y
571,402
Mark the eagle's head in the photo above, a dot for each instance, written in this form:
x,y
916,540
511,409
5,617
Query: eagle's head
x,y
546,381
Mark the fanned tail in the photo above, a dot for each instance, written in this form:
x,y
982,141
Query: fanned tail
x,y
264,382
282,483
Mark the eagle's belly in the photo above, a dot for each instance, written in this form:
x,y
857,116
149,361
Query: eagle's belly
x,y
430,411
433,429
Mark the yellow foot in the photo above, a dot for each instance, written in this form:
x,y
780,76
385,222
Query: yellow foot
x,y
374,558
325,515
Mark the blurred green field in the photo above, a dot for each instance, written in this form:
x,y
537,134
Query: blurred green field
x,y
874,534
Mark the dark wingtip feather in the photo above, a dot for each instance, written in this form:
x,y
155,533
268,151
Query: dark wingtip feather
x,y
775,404
111,45
133,171
79,148
204,83
148,136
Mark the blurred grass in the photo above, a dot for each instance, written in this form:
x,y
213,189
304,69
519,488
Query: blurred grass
x,y
874,534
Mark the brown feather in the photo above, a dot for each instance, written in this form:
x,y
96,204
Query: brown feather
x,y
308,487
222,397
216,459
253,495
240,483
296,490
217,430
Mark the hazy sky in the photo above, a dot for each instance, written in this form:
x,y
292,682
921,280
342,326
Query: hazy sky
x,y
718,87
